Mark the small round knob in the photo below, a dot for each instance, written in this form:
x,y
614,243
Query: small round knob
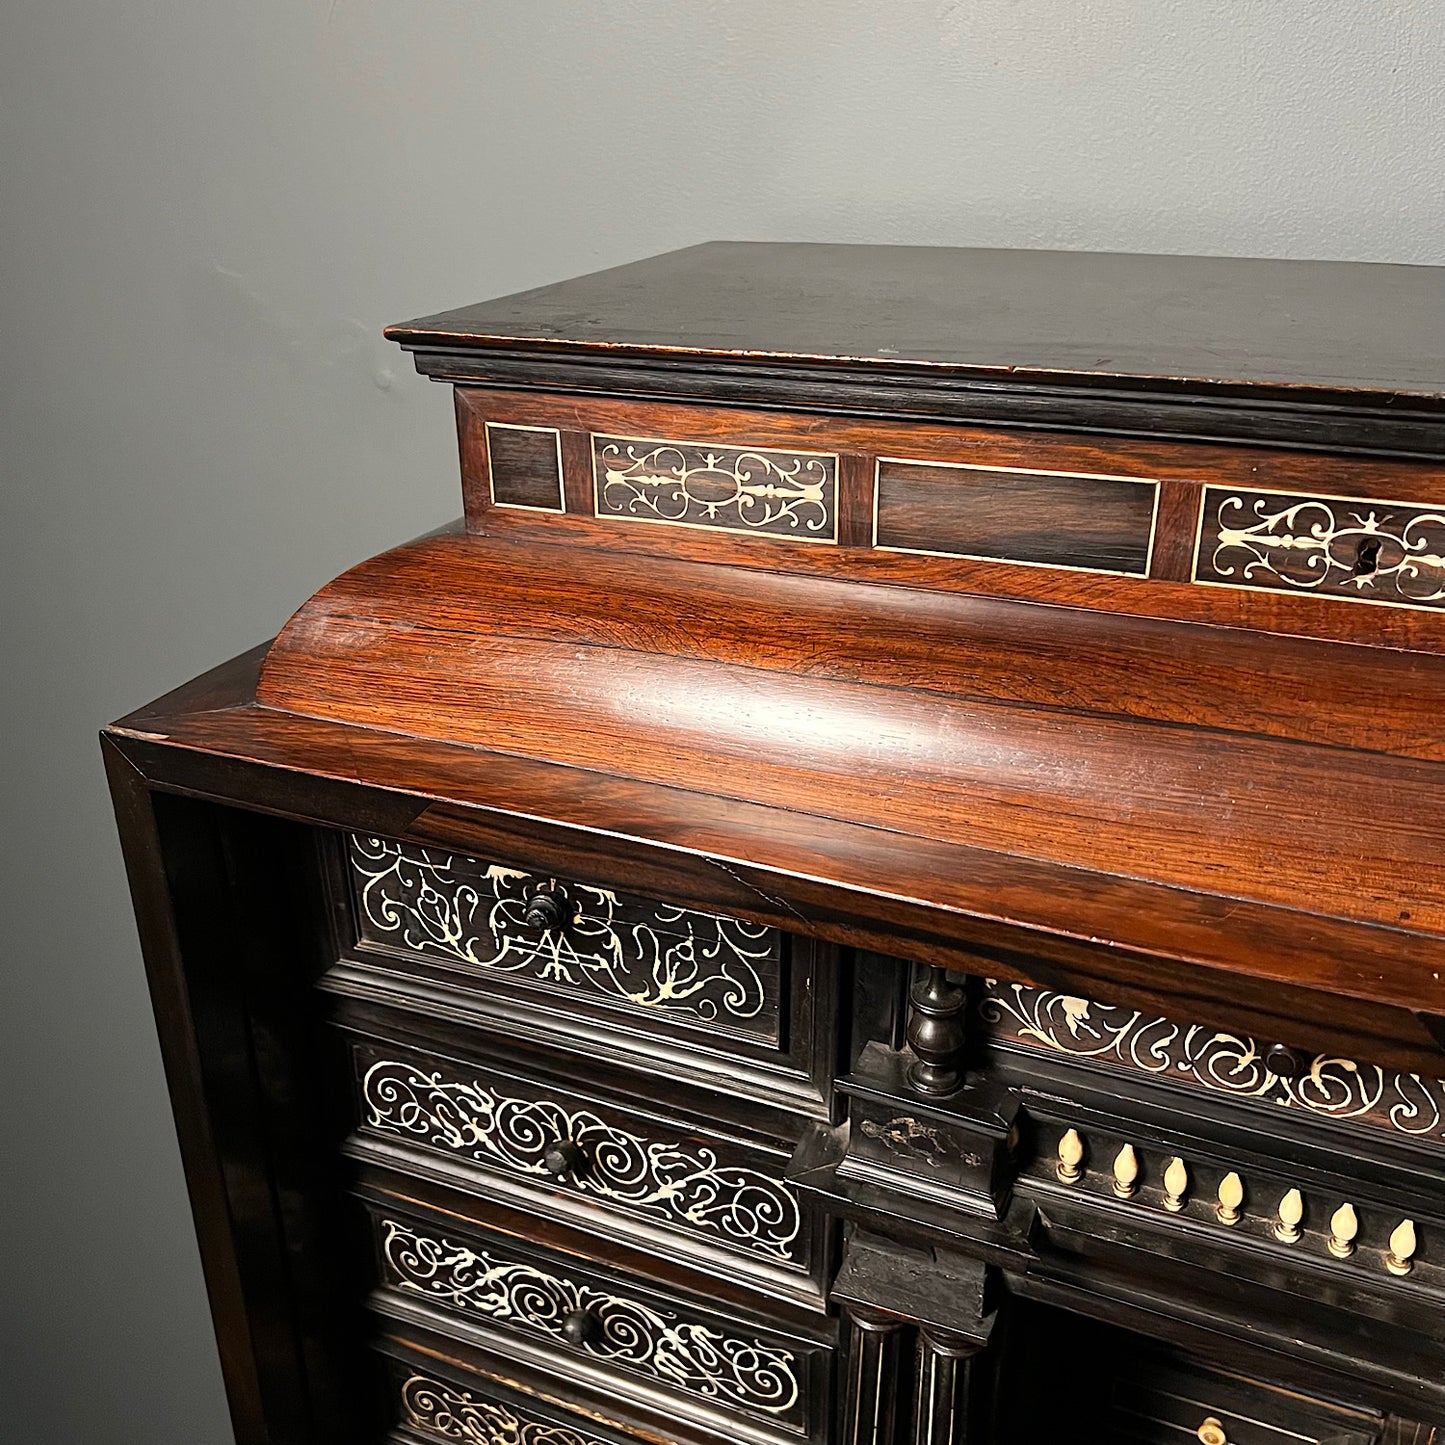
x,y
1211,1432
581,1327
544,912
1285,1062
563,1159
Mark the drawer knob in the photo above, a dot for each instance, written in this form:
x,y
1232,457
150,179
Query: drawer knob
x,y
564,1159
581,1327
1286,1063
1211,1432
544,912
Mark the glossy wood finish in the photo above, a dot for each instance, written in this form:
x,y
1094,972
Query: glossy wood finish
x,y
1038,532
607,677
1038,518
862,602
524,467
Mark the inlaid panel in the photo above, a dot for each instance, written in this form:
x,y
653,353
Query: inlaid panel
x,y
1362,549
525,465
1071,520
610,1322
1406,1105
765,491
700,968
712,1191
450,1413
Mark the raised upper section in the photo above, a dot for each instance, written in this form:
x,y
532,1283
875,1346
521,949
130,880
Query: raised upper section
x,y
1019,630
753,316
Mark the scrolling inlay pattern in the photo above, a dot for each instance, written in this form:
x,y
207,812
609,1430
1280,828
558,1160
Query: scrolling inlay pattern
x,y
787,494
636,1336
1225,1063
1376,551
459,1415
685,1186
700,965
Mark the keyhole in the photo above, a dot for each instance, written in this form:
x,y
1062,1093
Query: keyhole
x,y
1367,557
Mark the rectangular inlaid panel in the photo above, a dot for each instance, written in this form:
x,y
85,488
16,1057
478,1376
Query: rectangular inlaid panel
x,y
703,970
755,490
1006,514
525,465
613,1323
1343,547
1231,1065
718,1194
432,1406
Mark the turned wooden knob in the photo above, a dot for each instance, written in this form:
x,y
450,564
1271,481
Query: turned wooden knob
x,y
581,1327
1286,1062
544,912
564,1159
1211,1432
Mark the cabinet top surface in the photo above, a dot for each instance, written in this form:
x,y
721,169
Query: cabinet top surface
x,y
1043,316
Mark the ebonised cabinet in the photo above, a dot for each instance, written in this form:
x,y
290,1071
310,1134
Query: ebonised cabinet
x,y
883,885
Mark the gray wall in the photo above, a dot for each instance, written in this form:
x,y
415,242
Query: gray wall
x,y
207,212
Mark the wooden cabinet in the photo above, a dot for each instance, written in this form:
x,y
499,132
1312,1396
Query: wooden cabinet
x,y
883,885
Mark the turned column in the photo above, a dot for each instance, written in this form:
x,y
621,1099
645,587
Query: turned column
x,y
936,1034
870,1391
942,1387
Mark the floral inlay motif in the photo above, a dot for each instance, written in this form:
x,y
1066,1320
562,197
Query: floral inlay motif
x,y
626,1332
459,1415
682,1184
1330,1087
701,966
735,488
1380,551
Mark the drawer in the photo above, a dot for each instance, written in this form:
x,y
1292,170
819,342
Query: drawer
x,y
1338,1094
493,922
1110,1384
1160,1402
652,1180
427,1408
603,1331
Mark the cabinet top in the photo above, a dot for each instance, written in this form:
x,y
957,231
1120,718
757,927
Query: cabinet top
x,y
1355,331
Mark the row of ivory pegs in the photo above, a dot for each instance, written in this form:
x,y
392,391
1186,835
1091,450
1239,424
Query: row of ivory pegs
x,y
1229,1202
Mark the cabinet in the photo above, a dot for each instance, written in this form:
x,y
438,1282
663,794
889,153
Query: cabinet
x,y
882,885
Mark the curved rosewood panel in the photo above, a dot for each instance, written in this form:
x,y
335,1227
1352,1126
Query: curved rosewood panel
x,y
932,717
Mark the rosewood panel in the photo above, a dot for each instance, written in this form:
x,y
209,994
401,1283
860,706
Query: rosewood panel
x,y
947,903
525,466
984,559
1043,519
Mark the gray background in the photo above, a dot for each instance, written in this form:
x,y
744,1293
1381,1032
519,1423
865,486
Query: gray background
x,y
208,211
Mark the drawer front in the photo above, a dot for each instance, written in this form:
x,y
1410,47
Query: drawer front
x,y
436,1410
722,1195
700,970
1155,1402
597,1327
1335,1091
